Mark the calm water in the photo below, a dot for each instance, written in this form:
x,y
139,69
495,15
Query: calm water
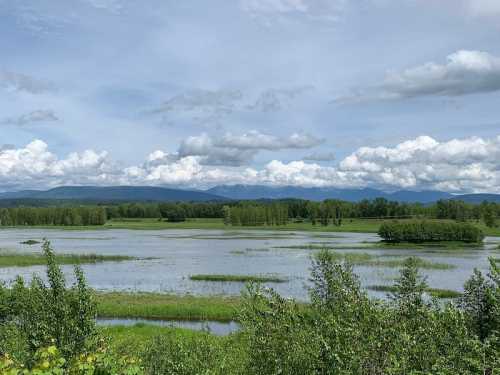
x,y
176,254
216,328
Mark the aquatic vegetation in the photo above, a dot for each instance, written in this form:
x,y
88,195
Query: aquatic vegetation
x,y
166,306
239,278
16,259
435,292
30,242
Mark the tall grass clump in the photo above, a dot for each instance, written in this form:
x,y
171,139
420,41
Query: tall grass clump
x,y
429,231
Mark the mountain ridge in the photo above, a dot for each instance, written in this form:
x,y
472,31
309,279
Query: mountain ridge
x,y
234,192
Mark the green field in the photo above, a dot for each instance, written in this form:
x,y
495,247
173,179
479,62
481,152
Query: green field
x,y
15,259
348,225
165,306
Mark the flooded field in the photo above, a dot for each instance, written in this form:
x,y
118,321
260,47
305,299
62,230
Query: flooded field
x,y
165,259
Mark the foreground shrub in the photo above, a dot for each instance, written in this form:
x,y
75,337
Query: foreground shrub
x,y
429,231
48,361
38,315
345,332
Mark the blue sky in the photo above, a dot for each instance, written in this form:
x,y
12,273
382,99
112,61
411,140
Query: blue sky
x,y
381,93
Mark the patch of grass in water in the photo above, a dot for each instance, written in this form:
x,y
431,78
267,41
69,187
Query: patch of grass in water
x,y
14,259
238,278
166,306
434,292
30,242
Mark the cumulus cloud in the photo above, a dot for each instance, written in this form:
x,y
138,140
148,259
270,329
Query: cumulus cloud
x,y
14,81
236,150
457,165
34,166
40,115
465,72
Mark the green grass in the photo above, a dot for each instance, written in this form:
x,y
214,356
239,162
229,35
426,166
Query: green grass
x,y
13,259
365,259
238,278
166,306
133,339
435,292
348,225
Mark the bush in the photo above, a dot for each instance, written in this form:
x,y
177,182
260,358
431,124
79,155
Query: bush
x,y
39,315
429,231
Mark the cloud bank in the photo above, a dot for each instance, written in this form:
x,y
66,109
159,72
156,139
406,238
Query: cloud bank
x,y
458,165
464,73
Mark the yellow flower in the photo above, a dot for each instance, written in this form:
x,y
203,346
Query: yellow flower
x,y
45,364
52,350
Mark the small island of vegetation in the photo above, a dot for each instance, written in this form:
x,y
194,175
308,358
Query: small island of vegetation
x,y
418,231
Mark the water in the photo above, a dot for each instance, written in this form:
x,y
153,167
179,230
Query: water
x,y
168,257
213,327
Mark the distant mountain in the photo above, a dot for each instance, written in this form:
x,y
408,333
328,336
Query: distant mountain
x,y
319,194
86,194
478,198
113,193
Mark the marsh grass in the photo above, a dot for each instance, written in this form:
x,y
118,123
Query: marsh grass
x,y
239,278
166,306
14,259
434,292
30,242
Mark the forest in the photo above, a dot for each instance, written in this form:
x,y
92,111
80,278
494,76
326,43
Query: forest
x,y
253,213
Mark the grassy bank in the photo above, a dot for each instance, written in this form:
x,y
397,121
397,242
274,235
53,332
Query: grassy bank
x,y
164,306
13,259
348,225
435,292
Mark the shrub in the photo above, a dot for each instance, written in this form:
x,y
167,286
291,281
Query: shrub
x,y
36,315
429,231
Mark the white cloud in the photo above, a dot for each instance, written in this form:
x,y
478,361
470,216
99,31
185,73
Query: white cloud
x,y
458,165
39,115
34,166
236,150
465,72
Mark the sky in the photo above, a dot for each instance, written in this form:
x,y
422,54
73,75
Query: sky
x,y
387,94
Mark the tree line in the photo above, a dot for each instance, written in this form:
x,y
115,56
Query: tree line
x,y
65,216
259,212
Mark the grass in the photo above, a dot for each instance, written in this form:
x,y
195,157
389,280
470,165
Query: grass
x,y
348,225
238,278
30,242
166,306
366,259
13,259
435,292
133,339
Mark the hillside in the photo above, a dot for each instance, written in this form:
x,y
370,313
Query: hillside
x,y
114,193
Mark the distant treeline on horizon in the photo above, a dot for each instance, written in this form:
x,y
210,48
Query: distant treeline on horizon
x,y
251,213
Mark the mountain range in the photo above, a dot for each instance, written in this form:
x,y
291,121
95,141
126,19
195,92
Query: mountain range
x,y
233,192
